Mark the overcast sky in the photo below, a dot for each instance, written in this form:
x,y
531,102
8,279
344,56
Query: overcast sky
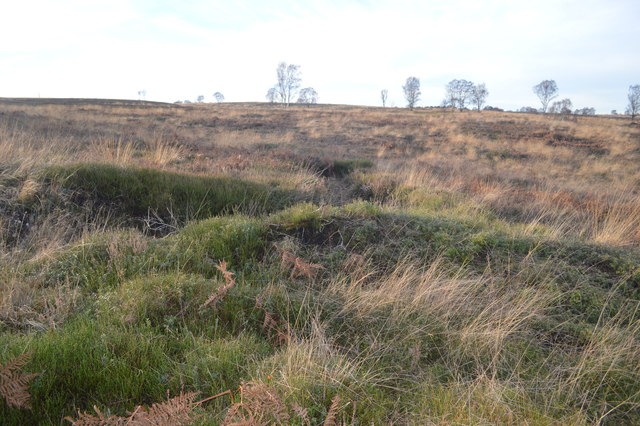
x,y
348,50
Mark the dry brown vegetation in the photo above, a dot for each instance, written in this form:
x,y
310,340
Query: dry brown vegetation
x,y
576,176
431,266
14,382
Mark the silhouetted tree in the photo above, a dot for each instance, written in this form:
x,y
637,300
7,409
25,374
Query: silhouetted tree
x,y
546,91
200,98
458,93
479,95
634,101
219,97
288,82
308,95
142,94
561,107
585,111
412,92
384,95
272,95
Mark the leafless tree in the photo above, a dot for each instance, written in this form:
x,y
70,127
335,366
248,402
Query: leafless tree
x,y
200,98
585,111
458,93
634,101
412,92
219,97
272,95
308,95
561,107
546,90
142,94
479,95
384,95
288,82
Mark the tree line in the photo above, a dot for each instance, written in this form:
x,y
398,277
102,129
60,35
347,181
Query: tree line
x,y
459,94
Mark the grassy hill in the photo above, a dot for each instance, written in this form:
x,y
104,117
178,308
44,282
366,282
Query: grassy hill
x,y
244,262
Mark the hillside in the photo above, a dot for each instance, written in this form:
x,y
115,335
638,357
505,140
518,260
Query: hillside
x,y
325,263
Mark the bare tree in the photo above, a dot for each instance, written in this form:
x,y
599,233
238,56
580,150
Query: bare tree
x,y
308,95
634,101
561,107
200,98
412,92
546,90
384,95
479,95
219,97
585,111
458,93
272,95
142,94
288,82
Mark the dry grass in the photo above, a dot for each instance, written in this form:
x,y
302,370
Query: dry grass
x,y
479,314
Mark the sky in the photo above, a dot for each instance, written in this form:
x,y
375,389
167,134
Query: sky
x,y
348,50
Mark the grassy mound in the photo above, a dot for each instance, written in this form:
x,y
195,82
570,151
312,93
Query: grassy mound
x,y
138,193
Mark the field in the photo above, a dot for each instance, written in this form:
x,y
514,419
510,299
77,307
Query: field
x,y
237,263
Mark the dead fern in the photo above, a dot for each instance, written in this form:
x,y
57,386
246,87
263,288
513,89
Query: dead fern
x,y
301,412
305,269
331,419
259,405
280,331
216,297
299,267
173,411
14,382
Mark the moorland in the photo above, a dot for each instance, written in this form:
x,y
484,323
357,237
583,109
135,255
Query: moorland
x,y
237,262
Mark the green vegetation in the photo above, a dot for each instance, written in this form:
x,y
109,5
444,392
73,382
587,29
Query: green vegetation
x,y
139,192
405,304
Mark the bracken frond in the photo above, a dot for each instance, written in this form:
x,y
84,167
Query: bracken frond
x,y
216,297
14,382
174,411
299,267
259,405
280,331
331,419
301,412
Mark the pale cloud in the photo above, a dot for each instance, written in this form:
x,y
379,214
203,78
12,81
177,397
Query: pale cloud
x,y
348,50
